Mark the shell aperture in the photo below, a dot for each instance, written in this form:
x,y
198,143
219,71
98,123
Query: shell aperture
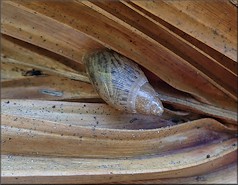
x,y
121,83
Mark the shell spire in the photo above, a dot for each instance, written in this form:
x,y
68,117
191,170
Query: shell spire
x,y
121,83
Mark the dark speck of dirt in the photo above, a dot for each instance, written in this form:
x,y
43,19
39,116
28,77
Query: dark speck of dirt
x,y
33,72
208,156
199,178
132,120
53,106
215,32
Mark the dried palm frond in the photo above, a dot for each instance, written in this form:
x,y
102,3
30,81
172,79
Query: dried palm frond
x,y
57,129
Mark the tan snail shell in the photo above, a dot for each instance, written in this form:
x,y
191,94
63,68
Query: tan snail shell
x,y
121,83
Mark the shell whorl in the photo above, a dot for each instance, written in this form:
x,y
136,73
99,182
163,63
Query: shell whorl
x,y
118,80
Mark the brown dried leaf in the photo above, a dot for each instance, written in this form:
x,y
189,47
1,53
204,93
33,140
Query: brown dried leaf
x,y
164,63
21,53
44,31
212,23
156,153
48,88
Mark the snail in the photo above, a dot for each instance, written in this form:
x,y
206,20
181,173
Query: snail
x,y
121,83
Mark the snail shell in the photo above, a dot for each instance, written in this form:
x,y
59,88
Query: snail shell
x,y
121,83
